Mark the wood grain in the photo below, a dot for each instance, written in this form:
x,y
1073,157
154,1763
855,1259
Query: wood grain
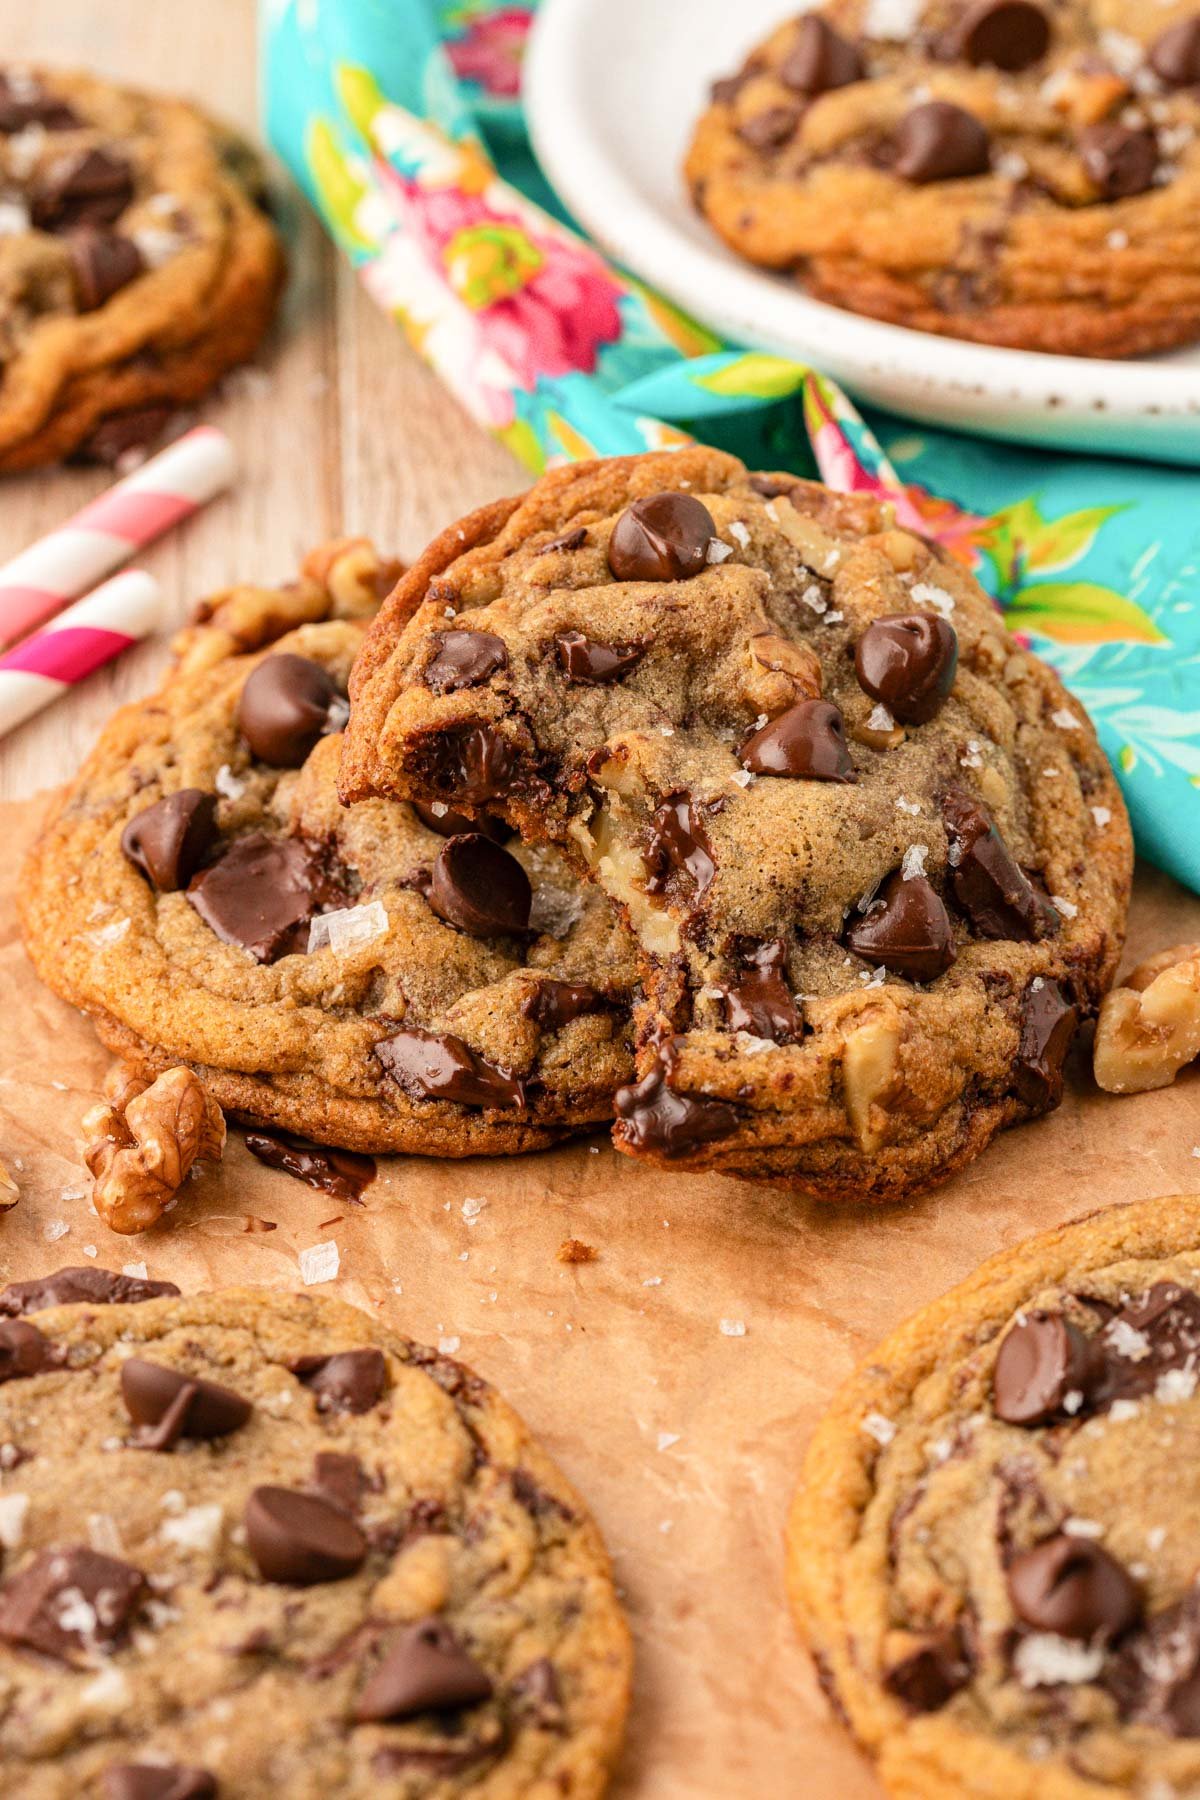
x,y
339,427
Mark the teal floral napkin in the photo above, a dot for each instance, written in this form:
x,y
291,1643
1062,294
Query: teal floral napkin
x,y
401,120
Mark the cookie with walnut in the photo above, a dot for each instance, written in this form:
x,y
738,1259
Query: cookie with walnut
x,y
1020,172
874,858
994,1548
247,1507
377,978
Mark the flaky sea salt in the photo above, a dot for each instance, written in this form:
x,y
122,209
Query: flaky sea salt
x,y
1064,719
13,1508
912,807
137,1271
665,1439
733,1328
57,1228
472,1206
1067,908
814,599
1121,1410
1101,815
926,594
880,719
348,929
197,1528
1044,1660
914,862
879,1428
105,936
449,1346
104,1534
717,552
227,784
739,533
1083,1528
895,21
108,1691
1127,1340
1174,1385
320,1262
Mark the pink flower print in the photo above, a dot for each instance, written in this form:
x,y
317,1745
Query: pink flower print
x,y
490,51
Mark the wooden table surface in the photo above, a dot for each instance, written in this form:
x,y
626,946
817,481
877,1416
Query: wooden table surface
x,y
339,426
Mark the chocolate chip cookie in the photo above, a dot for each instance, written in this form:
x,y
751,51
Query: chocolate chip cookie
x,y
136,263
378,978
874,858
258,1545
995,1546
1022,172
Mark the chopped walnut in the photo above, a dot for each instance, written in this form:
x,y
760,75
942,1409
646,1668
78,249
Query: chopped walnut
x,y
870,1073
141,1149
1149,1028
354,576
10,1193
572,1250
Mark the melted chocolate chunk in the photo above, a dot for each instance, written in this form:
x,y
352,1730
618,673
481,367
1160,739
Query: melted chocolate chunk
x,y
23,101
105,1594
938,142
170,1405
1156,1679
569,540
1043,1359
449,823
342,1173
761,1001
299,1539
769,129
426,1670
93,188
662,538
654,1117
808,742
103,263
158,1781
262,894
1167,1322
340,1479
931,1673
906,929
1074,1588
591,664
170,840
349,1381
908,662
1120,160
474,763
537,1693
676,845
1048,1025
995,894
1175,55
462,659
431,1065
24,1351
553,1004
820,59
479,887
288,703
70,1287
1001,34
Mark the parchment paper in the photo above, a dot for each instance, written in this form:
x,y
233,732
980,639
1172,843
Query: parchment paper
x,y
685,1440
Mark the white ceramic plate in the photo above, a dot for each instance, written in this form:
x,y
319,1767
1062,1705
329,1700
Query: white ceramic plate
x,y
613,88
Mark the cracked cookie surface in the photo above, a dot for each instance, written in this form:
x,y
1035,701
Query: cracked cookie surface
x,y
362,977
136,263
875,860
1020,172
246,1507
994,1548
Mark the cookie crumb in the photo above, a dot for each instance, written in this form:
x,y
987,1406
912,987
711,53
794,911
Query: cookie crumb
x,y
573,1250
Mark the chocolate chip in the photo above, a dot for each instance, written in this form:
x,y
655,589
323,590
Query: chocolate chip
x,y
103,263
474,763
169,841
299,1539
480,888
23,101
931,1673
995,894
774,487
430,1065
1167,1322
908,662
171,1405
288,703
569,540
761,1001
906,929
71,1287
24,1350
537,1693
122,434
591,664
340,1479
426,1670
808,741
350,1381
1074,1588
262,893
1048,1025
676,845
820,59
1155,1679
449,823
938,142
463,659
158,1781
654,1117
93,188
1120,160
104,1595
553,1004
342,1173
662,538
769,129
1175,55
1001,34
1042,1359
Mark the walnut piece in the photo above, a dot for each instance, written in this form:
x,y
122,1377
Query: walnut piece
x,y
870,1073
141,1149
1149,1028
10,1193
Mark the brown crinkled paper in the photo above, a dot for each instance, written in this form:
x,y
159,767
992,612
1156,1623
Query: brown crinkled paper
x,y
676,1377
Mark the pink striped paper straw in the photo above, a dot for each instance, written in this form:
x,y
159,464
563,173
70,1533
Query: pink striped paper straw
x,y
66,562
81,640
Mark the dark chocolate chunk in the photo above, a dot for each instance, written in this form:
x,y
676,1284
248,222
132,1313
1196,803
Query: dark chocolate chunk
x,y
288,703
931,1673
170,1405
662,538
70,1287
1120,160
537,1693
807,741
339,1478
24,101
475,763
342,1173
1001,34
24,1350
103,263
1042,1359
349,1381
299,1539
262,893
1048,1025
908,662
1156,1676
1175,55
103,1596
676,845
1074,1588
569,540
995,894
449,823
430,1065
590,664
761,1001
652,1116
158,1781
552,1004
938,141
170,840
769,129
426,1670
463,659
1167,1321
479,887
906,928
93,188
820,59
